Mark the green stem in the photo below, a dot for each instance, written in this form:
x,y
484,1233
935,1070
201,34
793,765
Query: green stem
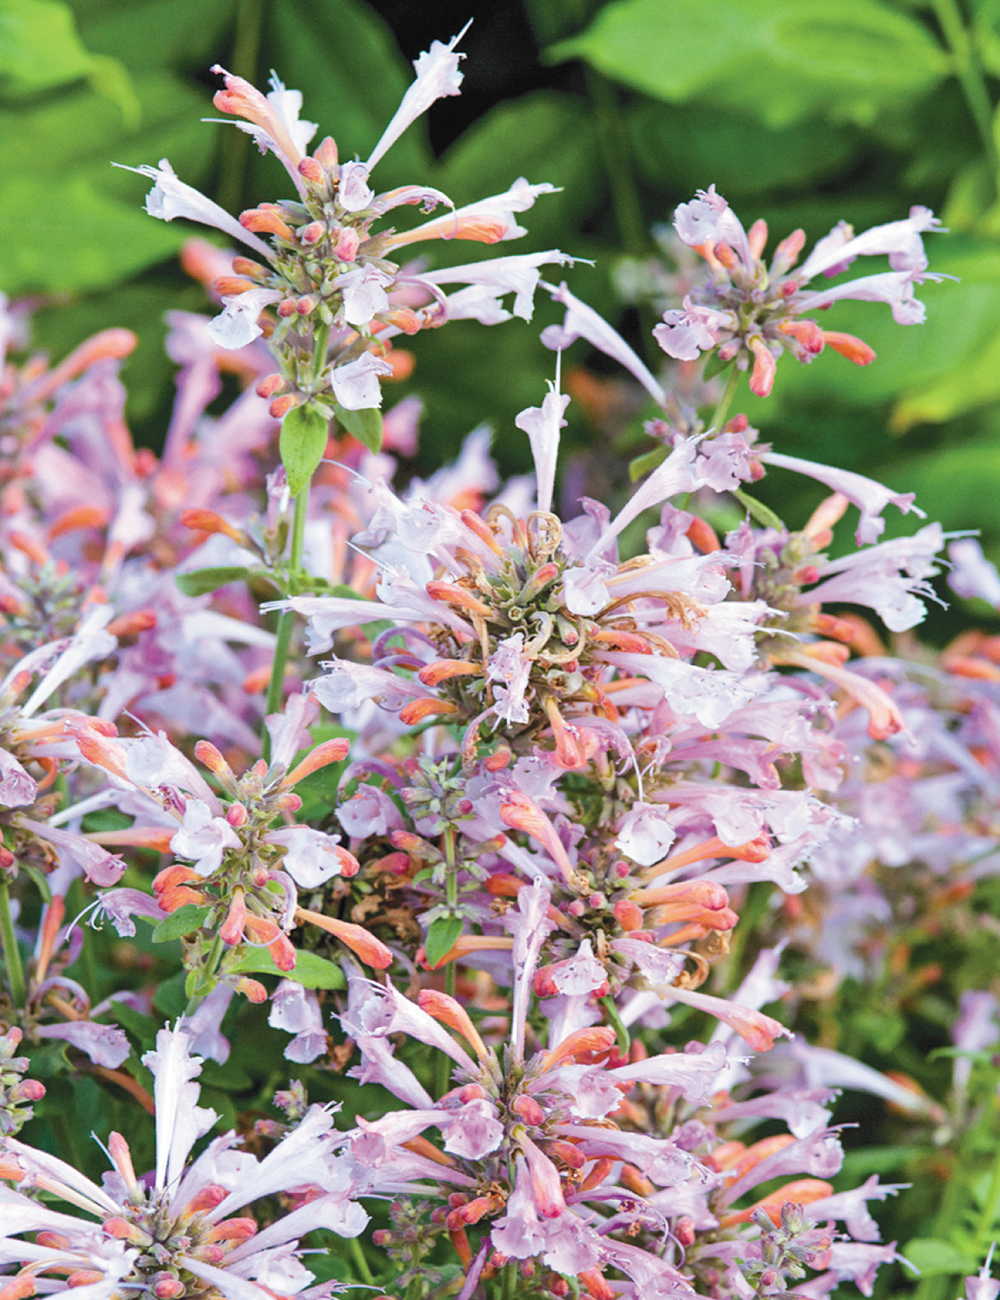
x,y
622,1040
726,400
286,623
937,1287
970,76
358,1258
8,941
991,1205
510,1271
206,981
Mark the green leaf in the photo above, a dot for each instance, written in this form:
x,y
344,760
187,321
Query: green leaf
x,y
441,937
188,32
758,512
39,45
169,996
365,425
198,582
186,919
646,462
938,1258
304,433
783,61
310,970
142,1028
61,234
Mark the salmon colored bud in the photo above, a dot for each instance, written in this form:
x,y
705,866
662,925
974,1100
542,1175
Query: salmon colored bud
x,y
312,171
702,536
854,349
499,759
471,1092
287,307
475,1209
450,1012
85,1277
140,620
261,221
207,1199
807,575
407,841
444,669
247,266
237,815
231,930
628,914
312,233
330,751
828,652
168,1287
205,752
282,953
13,605
803,1191
568,1154
280,407
528,1109
806,332
371,950
764,368
207,521
327,152
257,681
684,1230
787,252
416,710
598,1038
252,990
234,1230
23,1285
52,1240
346,247
288,802
304,305
80,517
725,256
228,286
28,1090
450,593
403,318
596,1285
270,385
757,237
179,896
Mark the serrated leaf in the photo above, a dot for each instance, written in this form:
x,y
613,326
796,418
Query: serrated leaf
x,y
938,1258
304,433
364,425
441,936
783,61
310,970
198,582
186,919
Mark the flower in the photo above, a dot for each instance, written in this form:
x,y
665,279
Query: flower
x,y
752,312
178,1233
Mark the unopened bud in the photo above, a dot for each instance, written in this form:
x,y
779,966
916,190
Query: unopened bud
x,y
312,233
270,385
280,407
684,1230
312,171
287,307
346,247
237,815
309,302
327,152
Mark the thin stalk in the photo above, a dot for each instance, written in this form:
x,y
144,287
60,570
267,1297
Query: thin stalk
x,y
510,1272
8,941
286,623
971,79
205,975
451,898
984,1228
726,400
937,1287
359,1261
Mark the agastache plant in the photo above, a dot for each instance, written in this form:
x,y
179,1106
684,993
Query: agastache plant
x,y
515,843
